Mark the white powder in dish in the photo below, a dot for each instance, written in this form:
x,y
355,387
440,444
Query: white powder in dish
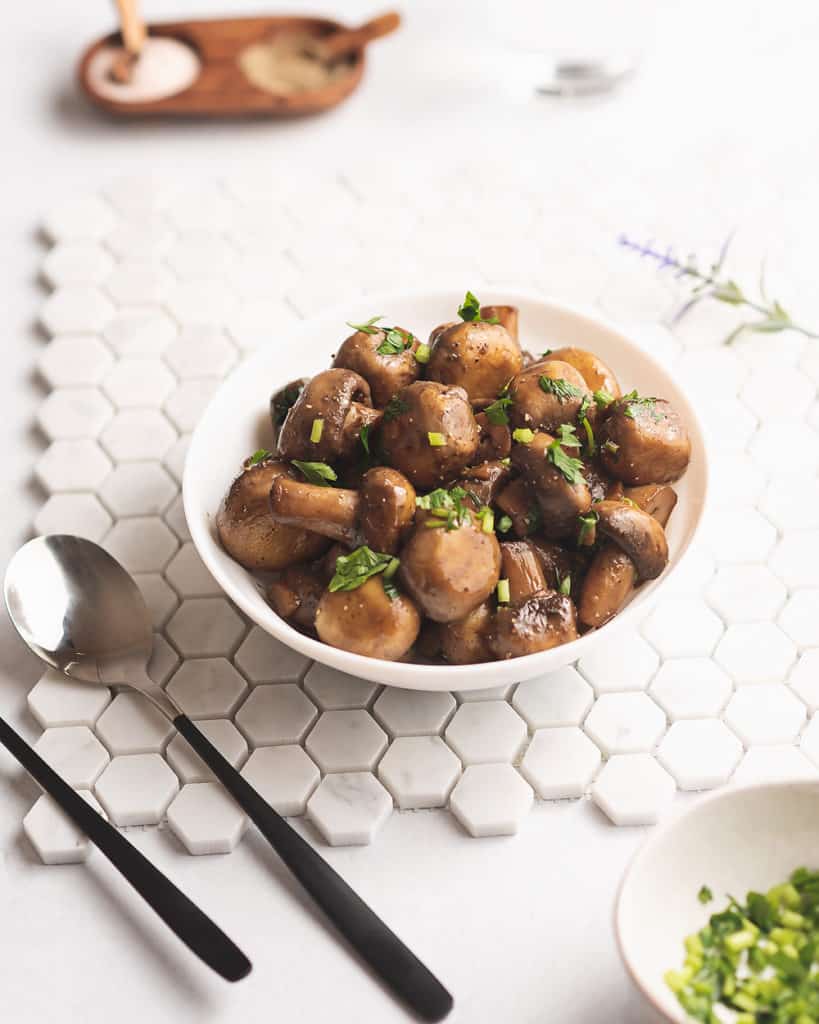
x,y
165,67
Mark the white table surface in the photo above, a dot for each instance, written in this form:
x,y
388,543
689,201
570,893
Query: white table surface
x,y
717,131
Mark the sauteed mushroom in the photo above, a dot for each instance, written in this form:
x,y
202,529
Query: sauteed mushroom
x,y
477,356
367,621
384,357
507,316
561,493
545,395
248,532
296,593
595,373
466,641
282,401
325,422
643,441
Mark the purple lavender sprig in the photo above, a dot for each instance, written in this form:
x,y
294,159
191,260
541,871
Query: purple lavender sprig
x,y
710,283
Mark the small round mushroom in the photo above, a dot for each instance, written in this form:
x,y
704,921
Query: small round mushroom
x,y
635,532
494,439
332,408
507,316
539,623
643,441
248,532
466,642
656,499
560,500
366,621
449,572
476,356
386,372
295,594
282,401
545,395
592,369
429,433
609,580
381,513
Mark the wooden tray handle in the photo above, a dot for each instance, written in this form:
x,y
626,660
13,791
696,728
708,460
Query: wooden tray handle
x,y
339,44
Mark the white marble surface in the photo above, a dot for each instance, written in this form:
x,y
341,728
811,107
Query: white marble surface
x,y
712,135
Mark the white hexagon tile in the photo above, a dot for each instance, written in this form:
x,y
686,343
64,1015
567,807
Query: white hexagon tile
x,y
152,304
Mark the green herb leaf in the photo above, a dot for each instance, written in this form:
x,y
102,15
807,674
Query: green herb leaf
x,y
470,311
368,327
588,524
567,436
422,354
496,412
611,446
548,352
318,473
523,435
395,341
448,506
394,408
730,292
565,587
603,398
632,403
504,524
364,437
571,468
705,895
562,389
258,457
353,570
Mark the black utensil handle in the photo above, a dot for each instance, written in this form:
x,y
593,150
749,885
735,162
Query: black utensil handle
x,y
363,929
180,914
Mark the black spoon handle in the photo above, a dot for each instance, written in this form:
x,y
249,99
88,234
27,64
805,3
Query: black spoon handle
x,y
364,930
182,916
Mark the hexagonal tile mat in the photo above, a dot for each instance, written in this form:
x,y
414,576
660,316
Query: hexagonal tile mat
x,y
147,313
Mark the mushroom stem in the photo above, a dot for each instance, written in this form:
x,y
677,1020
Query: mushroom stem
x,y
521,566
507,317
330,511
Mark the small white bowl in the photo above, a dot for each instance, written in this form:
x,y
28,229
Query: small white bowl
x,y
733,841
236,423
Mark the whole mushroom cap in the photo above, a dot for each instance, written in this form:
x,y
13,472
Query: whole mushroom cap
x,y
428,408
537,624
539,408
593,370
479,357
635,532
367,621
337,398
644,442
386,373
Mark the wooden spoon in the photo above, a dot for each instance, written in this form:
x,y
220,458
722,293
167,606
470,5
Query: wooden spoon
x,y
333,47
134,34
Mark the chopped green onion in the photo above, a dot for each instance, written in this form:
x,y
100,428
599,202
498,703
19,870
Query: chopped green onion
x,y
503,592
258,457
565,587
317,430
504,524
610,446
488,520
392,568
318,473
422,354
523,435
436,440
431,524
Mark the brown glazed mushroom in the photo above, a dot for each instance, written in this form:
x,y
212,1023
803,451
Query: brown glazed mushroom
x,y
248,532
545,395
429,433
656,499
381,513
494,439
643,441
535,619
484,481
635,532
333,407
560,500
592,369
449,572
518,502
506,315
366,621
466,642
295,594
386,372
476,356
556,562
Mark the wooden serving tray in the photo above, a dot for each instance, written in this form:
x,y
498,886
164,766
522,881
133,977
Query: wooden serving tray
x,y
222,90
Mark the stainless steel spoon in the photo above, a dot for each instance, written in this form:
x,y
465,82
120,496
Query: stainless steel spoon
x,y
79,610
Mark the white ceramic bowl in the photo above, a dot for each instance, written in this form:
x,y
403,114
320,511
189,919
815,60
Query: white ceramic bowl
x,y
732,841
235,424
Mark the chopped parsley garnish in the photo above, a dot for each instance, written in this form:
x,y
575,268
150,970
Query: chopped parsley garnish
x,y
571,468
632,401
589,446
258,457
470,311
496,412
353,570
562,389
566,436
318,473
394,408
587,532
565,587
548,352
395,341
364,437
504,524
447,507
705,895
603,398
523,435
368,327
